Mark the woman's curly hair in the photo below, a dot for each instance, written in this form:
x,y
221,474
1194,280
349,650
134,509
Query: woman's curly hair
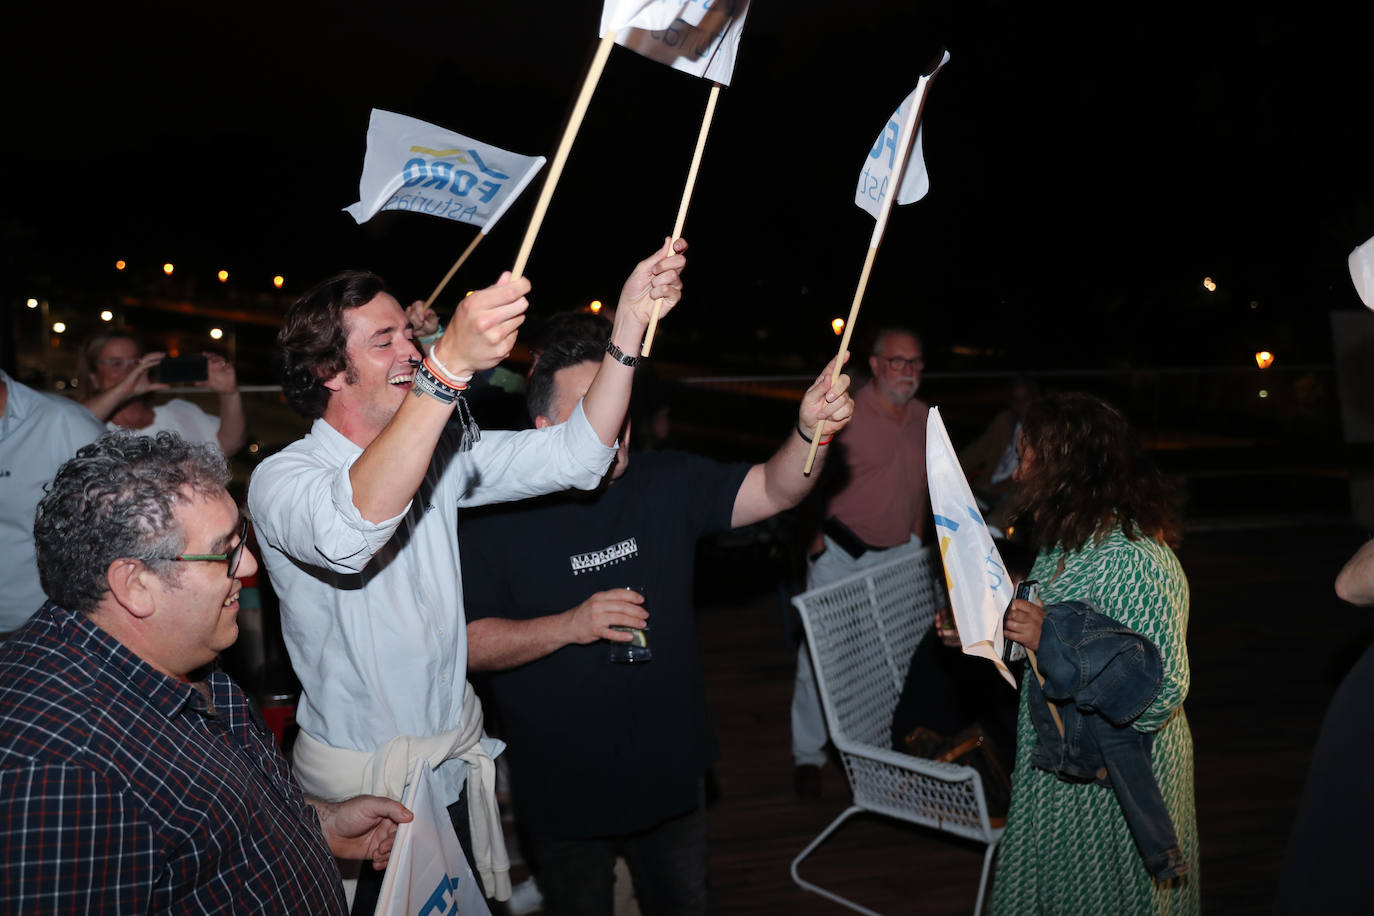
x,y
1086,472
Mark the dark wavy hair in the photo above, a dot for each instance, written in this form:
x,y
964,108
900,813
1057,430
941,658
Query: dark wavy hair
x,y
116,499
312,345
1087,472
567,342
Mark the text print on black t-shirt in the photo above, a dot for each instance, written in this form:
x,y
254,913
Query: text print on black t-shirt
x,y
625,550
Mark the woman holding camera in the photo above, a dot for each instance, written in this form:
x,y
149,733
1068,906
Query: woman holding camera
x,y
117,372
1102,518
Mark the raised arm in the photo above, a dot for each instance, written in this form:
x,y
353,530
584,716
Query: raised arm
x,y
657,277
104,403
498,643
1355,583
779,483
481,334
233,425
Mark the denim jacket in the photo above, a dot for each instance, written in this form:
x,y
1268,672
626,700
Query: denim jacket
x,y
1101,676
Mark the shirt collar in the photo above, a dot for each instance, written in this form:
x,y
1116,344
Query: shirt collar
x,y
167,695
333,440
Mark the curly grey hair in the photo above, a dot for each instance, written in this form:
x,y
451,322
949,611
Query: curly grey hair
x,y
115,499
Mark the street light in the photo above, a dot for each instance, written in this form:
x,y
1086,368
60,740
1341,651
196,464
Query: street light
x,y
595,306
837,326
58,327
168,268
223,276
1209,284
278,281
107,315
32,303
1264,359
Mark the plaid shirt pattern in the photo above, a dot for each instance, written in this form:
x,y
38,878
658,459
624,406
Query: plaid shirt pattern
x,y
123,790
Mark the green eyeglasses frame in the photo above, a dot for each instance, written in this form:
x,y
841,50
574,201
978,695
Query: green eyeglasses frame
x,y
232,557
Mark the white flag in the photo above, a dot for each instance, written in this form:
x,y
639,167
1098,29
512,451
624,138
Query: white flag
x,y
1361,262
702,40
427,874
413,165
886,156
643,14
979,586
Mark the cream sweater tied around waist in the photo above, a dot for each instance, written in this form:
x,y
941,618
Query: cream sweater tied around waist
x,y
335,774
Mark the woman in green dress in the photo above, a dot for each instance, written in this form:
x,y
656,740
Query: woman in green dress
x,y
1102,518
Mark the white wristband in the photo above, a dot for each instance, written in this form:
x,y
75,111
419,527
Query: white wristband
x,y
457,380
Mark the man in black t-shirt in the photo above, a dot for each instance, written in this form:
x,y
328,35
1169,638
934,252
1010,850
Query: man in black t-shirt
x,y
608,759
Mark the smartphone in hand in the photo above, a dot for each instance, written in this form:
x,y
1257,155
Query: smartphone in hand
x,y
1027,590
177,369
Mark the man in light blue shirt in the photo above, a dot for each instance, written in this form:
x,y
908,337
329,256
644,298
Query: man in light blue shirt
x,y
37,433
357,523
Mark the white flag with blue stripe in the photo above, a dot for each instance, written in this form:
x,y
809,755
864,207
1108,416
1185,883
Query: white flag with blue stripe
x,y
979,586
414,165
885,158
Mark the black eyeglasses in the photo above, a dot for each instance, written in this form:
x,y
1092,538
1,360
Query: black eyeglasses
x,y
232,557
898,363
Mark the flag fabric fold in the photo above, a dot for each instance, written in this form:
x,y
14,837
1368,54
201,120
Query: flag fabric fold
x,y
655,15
428,874
702,39
417,166
1361,263
978,583
885,158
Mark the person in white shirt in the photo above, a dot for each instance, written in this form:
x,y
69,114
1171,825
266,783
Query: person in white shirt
x,y
117,370
357,523
38,432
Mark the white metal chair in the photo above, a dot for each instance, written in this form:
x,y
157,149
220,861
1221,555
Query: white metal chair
x,y
862,632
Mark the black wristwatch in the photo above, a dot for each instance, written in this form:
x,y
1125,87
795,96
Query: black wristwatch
x,y
621,356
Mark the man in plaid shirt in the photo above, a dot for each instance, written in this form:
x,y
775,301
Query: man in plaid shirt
x,y
134,776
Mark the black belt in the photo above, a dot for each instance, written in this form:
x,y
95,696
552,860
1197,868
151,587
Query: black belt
x,y
843,535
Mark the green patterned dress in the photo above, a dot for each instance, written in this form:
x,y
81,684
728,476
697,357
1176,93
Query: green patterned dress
x,y
1067,848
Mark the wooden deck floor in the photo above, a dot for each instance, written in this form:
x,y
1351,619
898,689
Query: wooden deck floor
x,y
1268,642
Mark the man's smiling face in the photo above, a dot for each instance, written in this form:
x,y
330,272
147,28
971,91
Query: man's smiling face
x,y
379,372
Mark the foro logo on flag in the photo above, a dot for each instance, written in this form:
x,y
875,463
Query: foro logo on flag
x,y
883,160
416,166
428,874
978,584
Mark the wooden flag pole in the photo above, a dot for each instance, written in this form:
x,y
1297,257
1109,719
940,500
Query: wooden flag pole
x,y
686,199
569,133
1054,710
454,269
905,141
844,345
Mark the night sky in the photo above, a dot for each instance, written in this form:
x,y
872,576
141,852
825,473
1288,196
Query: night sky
x,y
1089,166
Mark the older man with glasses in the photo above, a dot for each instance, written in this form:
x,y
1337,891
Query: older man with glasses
x,y
136,776
883,503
